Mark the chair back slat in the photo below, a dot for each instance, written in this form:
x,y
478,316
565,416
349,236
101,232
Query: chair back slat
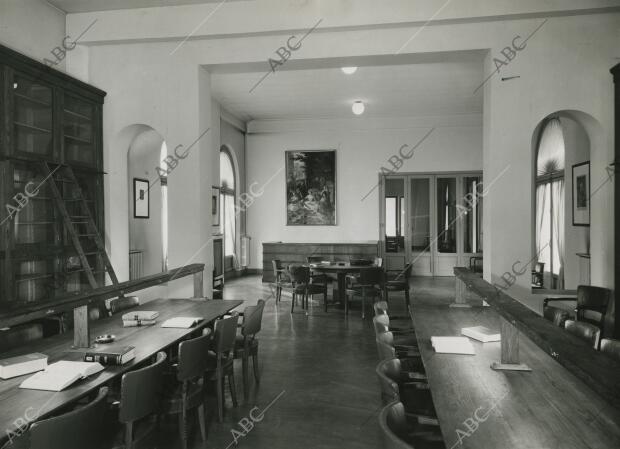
x,y
393,423
277,264
299,274
371,276
381,324
384,350
611,347
252,319
141,391
193,360
77,429
388,372
586,331
225,333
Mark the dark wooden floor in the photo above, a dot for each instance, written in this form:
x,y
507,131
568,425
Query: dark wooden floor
x,y
319,369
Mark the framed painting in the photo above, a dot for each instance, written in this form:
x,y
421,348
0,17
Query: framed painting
x,y
141,203
581,194
311,188
215,205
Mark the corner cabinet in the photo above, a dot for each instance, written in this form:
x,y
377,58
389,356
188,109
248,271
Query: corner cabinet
x,y
45,116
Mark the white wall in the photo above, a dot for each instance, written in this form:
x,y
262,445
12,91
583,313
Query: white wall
x,y
564,67
33,28
363,147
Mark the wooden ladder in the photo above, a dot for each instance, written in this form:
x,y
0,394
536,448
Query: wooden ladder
x,y
64,174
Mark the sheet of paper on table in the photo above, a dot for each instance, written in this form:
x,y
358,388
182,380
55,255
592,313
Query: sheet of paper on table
x,y
452,345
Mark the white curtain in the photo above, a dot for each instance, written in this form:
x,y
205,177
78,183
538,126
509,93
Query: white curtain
x,y
543,225
229,226
557,190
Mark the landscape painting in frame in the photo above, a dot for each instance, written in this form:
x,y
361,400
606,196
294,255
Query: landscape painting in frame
x,y
311,187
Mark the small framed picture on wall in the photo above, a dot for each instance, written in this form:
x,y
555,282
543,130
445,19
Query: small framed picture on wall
x,y
581,194
215,205
141,205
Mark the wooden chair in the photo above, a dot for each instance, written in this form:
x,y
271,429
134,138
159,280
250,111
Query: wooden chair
x,y
222,358
381,308
190,373
591,304
586,331
281,277
401,433
399,282
370,284
246,344
20,335
538,275
382,323
556,315
413,392
140,401
611,347
118,305
319,278
301,285
78,429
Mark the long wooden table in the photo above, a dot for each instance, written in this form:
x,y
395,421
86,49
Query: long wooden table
x,y
482,408
18,404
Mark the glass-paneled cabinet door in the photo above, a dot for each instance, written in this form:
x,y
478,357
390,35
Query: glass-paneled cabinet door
x,y
32,117
34,220
79,118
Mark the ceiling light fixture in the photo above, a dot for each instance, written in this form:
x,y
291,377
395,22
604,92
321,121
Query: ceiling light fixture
x,y
358,107
349,70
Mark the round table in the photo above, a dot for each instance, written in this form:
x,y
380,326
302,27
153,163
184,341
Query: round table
x,y
341,269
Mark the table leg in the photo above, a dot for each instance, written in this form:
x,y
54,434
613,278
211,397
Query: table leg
x,y
341,287
509,349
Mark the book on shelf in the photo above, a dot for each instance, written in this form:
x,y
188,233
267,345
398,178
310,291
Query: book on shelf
x,y
111,355
138,323
22,364
452,345
59,375
481,333
183,322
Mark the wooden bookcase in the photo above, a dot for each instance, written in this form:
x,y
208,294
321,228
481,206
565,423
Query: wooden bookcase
x,y
45,115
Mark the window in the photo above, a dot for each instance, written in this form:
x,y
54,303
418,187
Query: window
x,y
228,219
550,201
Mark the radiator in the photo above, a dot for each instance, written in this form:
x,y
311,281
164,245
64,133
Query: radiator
x,y
136,264
245,251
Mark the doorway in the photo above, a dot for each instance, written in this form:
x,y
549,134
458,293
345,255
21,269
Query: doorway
x,y
431,220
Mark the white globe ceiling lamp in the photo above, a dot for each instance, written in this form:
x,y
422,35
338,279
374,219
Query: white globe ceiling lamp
x,y
358,107
349,70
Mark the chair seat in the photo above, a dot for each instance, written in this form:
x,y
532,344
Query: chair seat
x,y
357,289
396,285
311,289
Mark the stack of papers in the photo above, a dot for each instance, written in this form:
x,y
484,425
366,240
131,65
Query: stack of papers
x,y
60,375
481,333
183,322
452,345
140,318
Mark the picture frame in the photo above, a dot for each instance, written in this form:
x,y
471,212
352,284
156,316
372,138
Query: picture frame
x,y
141,198
215,205
581,194
311,187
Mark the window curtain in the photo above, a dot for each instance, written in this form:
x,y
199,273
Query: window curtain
x,y
229,227
543,225
557,191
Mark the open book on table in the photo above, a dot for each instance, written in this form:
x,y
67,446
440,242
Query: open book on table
x,y
59,375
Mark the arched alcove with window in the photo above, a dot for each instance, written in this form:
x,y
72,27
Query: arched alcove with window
x,y
561,247
228,210
148,204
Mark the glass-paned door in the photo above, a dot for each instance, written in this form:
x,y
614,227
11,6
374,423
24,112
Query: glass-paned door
x,y
394,216
420,230
433,221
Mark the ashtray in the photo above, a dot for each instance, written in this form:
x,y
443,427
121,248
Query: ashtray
x,y
105,339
